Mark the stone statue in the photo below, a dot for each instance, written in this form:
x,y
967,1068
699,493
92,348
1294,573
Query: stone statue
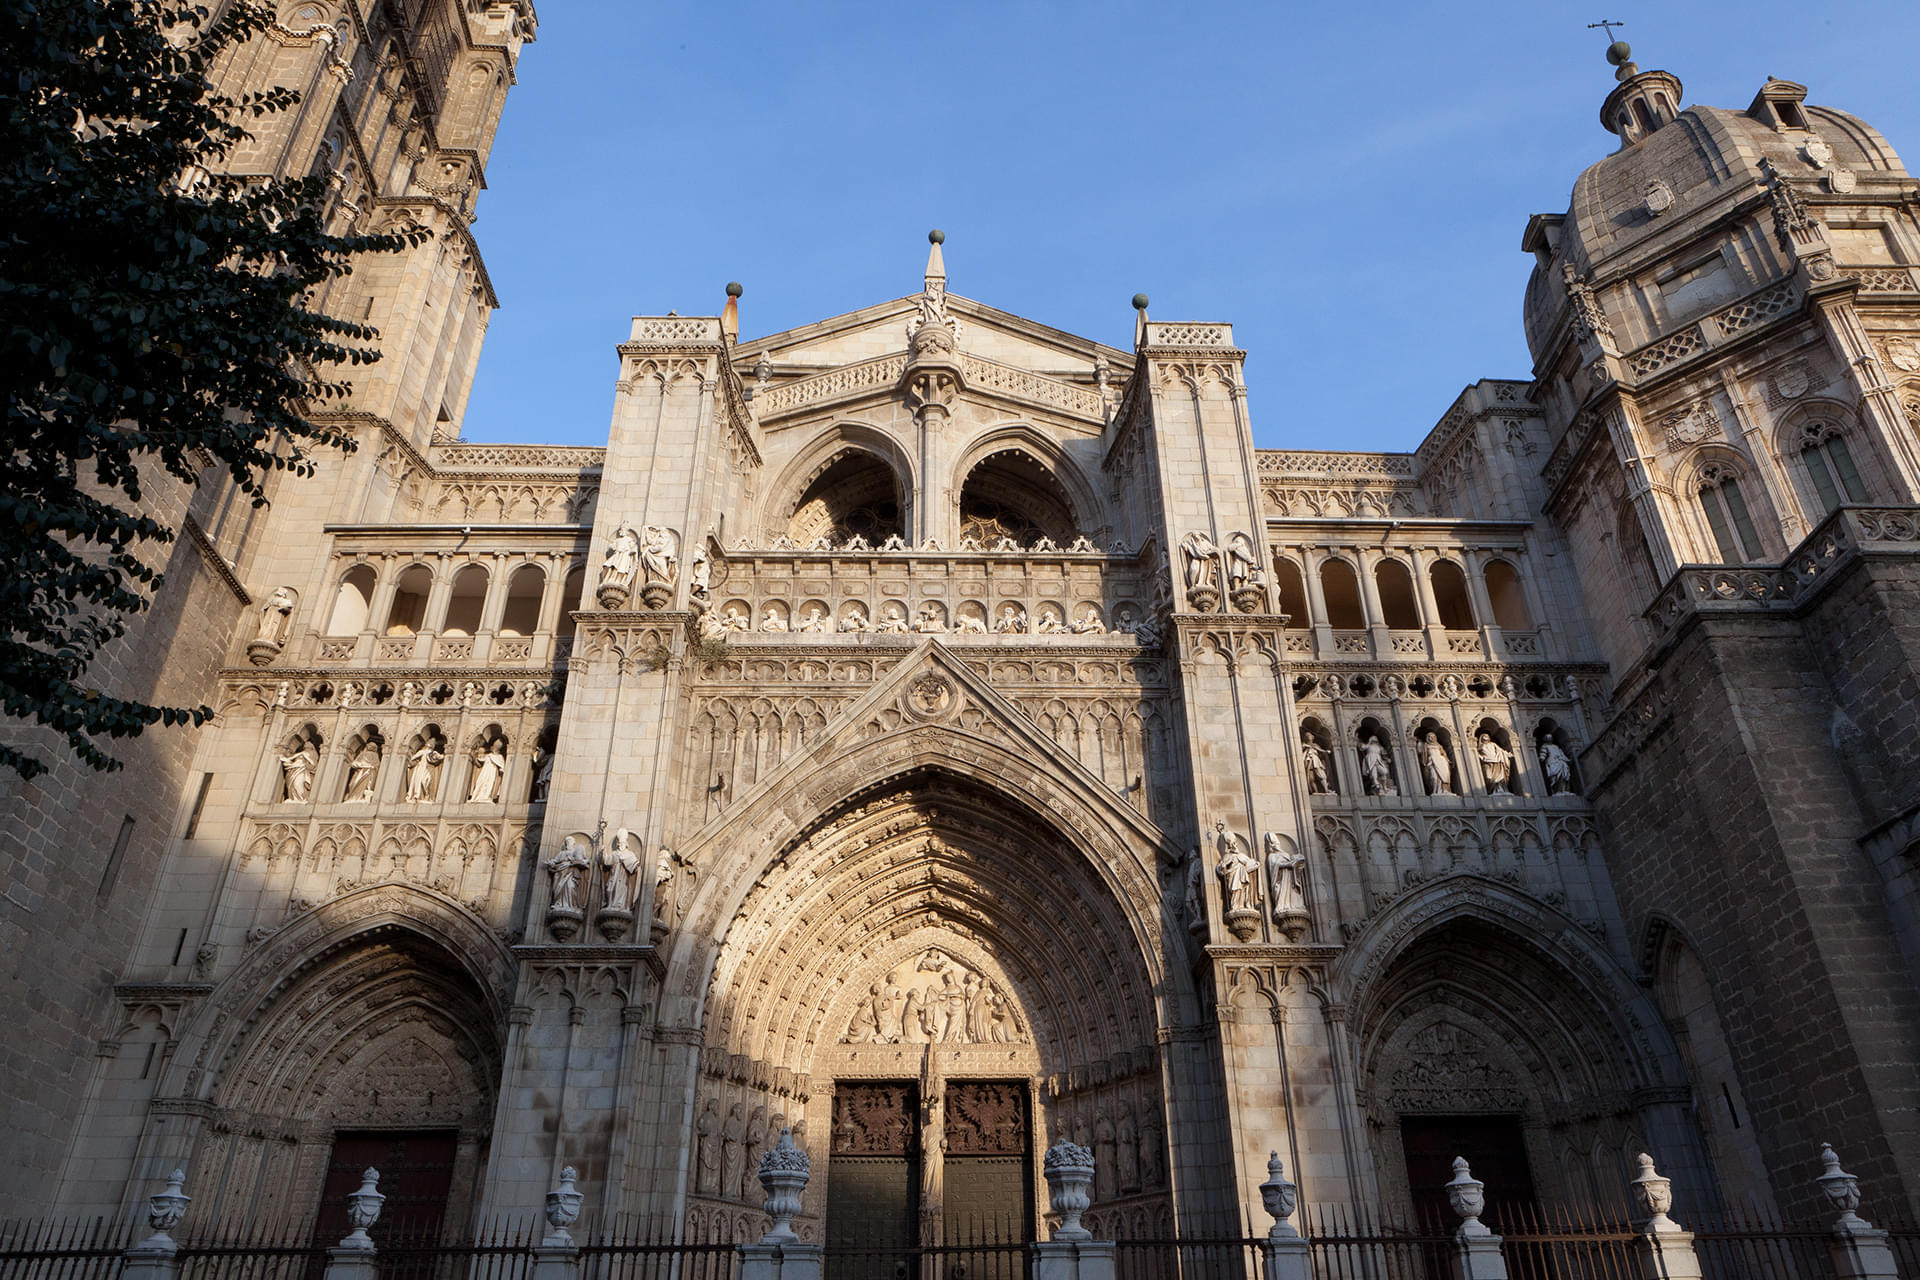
x,y
700,576
621,859
1202,561
707,1150
1239,873
421,775
542,776
713,627
621,559
1127,1153
756,1144
969,622
1496,762
1152,1148
362,774
659,552
1004,1029
666,872
1088,623
893,619
1193,892
735,619
1243,563
1558,768
297,770
1319,767
1435,767
276,617
1375,771
854,619
929,621
1012,620
933,1142
565,869
732,1143
816,619
1285,892
772,619
489,766
1050,621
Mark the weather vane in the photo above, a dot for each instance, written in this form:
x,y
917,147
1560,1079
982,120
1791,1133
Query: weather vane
x,y
1608,24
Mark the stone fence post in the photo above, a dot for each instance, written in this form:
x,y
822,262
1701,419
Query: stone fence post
x,y
1476,1250
557,1257
354,1258
779,1255
1286,1255
1860,1250
1072,1253
153,1258
1665,1248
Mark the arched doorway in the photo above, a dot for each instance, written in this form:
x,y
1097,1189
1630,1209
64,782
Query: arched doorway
x,y
1009,494
933,980
1502,1038
855,495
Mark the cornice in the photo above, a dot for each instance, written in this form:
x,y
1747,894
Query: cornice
x,y
215,561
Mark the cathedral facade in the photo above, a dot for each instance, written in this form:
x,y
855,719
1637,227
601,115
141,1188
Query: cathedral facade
x,y
939,734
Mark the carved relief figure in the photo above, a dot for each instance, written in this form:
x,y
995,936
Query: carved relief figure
x,y
893,619
362,773
854,618
423,770
1496,762
297,770
621,559
621,858
565,870
970,621
1127,1153
944,1003
276,616
1375,770
1435,767
1319,766
1202,561
1243,564
735,619
930,620
489,766
658,554
1050,619
732,1142
1193,891
1239,873
1012,620
707,1150
1557,767
700,576
772,619
755,1145
1088,623
542,776
815,619
1285,892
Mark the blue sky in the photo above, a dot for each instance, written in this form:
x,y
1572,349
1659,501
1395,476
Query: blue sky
x,y
1346,184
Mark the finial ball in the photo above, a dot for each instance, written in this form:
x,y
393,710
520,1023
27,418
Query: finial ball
x,y
1618,52
733,289
936,236
1139,302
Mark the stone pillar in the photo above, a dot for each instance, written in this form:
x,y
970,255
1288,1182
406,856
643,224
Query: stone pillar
x,y
779,1255
1476,1250
1285,1254
1860,1250
153,1258
355,1258
1665,1248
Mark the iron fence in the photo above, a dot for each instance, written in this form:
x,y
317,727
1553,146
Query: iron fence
x,y
1188,1258
1903,1237
1346,1244
1737,1246
67,1249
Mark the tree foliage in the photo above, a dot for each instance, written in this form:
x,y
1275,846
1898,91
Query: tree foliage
x,y
155,317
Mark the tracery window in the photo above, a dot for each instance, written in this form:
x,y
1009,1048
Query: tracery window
x,y
1727,515
1829,464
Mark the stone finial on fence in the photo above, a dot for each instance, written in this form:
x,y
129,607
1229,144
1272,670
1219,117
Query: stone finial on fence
x,y
563,1210
363,1210
784,1172
1476,1249
1860,1250
164,1211
1654,1194
1279,1197
1069,1170
1665,1248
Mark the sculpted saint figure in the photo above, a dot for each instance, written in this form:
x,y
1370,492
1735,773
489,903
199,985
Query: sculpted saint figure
x,y
773,620
621,559
735,619
564,872
700,576
1050,622
732,1141
1558,768
1202,558
275,616
542,775
1496,762
929,621
893,619
1013,619
621,859
658,553
489,764
1239,873
297,772
1193,891
1375,772
1319,772
970,624
1088,623
361,771
854,619
1284,865
707,1149
420,767
1243,563
1435,765
815,619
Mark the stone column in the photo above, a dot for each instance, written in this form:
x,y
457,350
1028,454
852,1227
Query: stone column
x,y
1429,607
1665,1248
1860,1250
1316,602
1476,1250
1367,559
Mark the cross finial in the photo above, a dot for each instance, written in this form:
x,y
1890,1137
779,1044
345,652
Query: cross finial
x,y
1607,25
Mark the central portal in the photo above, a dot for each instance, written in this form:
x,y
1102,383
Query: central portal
x,y
947,1164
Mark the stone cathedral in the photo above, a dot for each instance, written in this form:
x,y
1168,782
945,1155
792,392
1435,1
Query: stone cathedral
x,y
939,734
